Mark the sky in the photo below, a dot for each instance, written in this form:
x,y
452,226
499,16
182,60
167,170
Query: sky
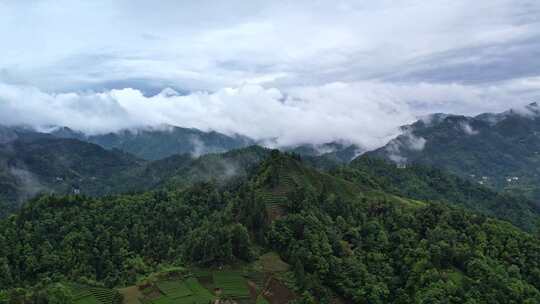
x,y
291,71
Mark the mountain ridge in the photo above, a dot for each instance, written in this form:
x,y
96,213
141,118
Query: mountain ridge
x,y
497,150
152,143
340,241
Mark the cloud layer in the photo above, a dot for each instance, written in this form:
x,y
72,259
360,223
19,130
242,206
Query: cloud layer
x,y
283,71
366,113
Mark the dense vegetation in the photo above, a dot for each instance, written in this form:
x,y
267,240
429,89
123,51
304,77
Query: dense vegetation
x,y
161,142
498,150
33,164
343,239
66,161
431,184
109,240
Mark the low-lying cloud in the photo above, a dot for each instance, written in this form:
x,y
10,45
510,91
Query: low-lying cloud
x,y
406,142
468,129
366,113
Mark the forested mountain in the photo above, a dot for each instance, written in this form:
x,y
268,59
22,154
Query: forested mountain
x,y
180,171
498,150
160,142
368,231
345,241
32,163
333,151
426,183
36,163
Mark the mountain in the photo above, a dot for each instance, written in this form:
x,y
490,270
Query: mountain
x,y
501,151
425,183
181,171
160,142
32,163
288,233
417,182
335,151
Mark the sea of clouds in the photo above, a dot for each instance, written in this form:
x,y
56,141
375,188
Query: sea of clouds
x,y
366,113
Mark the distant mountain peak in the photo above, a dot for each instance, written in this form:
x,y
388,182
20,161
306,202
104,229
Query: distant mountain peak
x,y
490,148
160,141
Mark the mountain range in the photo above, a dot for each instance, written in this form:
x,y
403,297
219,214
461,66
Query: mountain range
x,y
284,233
67,161
501,151
446,211
160,142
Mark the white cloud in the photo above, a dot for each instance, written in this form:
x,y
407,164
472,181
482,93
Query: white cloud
x,y
366,113
466,127
283,71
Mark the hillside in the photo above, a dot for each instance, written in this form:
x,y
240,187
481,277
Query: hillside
x,y
180,171
158,143
343,242
497,150
333,151
33,163
36,163
426,183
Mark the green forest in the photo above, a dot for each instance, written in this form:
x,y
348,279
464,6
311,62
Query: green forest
x,y
347,239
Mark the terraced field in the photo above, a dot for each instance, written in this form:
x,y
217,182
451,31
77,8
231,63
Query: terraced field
x,y
247,285
94,295
275,200
174,289
232,284
188,291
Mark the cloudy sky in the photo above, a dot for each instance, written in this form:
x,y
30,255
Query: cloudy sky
x,y
295,71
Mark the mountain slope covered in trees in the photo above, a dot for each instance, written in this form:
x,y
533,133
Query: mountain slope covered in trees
x,y
432,184
33,163
343,239
158,143
497,150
